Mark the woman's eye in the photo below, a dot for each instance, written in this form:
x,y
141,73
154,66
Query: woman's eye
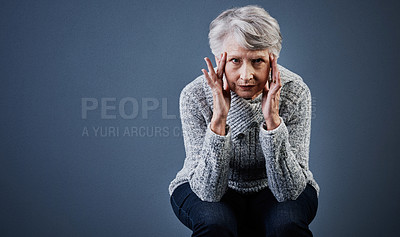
x,y
235,60
258,60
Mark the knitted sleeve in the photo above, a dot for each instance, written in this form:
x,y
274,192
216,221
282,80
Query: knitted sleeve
x,y
286,148
206,152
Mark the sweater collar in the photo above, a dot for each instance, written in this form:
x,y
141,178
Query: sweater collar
x,y
243,114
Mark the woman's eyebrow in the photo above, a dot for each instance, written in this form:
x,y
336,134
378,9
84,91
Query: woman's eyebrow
x,y
249,58
259,56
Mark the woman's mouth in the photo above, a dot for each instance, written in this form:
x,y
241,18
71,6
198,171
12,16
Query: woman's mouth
x,y
246,87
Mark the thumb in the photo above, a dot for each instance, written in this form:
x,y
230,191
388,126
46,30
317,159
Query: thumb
x,y
226,85
266,88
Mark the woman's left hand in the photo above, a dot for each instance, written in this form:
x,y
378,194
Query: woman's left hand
x,y
271,95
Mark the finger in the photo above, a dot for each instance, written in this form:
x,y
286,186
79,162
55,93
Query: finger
x,y
270,77
226,85
279,80
271,58
272,64
266,87
222,64
219,67
223,60
209,81
278,98
275,67
278,94
271,69
219,60
277,85
210,67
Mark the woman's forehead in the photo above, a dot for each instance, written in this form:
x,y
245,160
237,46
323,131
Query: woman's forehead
x,y
232,48
248,53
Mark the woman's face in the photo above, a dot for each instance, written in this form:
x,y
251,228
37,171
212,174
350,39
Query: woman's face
x,y
246,70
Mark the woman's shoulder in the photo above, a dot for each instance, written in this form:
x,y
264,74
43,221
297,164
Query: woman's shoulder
x,y
196,90
293,85
195,86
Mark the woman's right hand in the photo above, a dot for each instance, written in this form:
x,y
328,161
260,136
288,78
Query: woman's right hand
x,y
221,94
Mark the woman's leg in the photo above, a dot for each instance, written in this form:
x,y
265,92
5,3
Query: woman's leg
x,y
290,218
203,218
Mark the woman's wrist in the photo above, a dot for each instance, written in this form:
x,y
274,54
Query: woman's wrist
x,y
218,125
272,122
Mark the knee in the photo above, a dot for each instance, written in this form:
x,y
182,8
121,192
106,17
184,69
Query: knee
x,y
288,227
219,229
216,226
285,226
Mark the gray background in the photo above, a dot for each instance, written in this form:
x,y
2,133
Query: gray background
x,y
56,182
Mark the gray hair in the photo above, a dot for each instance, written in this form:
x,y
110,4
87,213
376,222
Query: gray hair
x,y
251,26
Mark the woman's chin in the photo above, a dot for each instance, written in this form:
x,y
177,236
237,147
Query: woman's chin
x,y
247,94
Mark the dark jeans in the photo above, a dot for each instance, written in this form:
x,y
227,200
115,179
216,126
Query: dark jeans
x,y
247,215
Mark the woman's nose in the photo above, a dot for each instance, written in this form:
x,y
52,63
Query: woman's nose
x,y
247,72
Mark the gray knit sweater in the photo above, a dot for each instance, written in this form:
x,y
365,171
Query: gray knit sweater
x,y
248,158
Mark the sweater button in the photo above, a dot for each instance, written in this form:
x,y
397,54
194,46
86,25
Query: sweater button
x,y
240,136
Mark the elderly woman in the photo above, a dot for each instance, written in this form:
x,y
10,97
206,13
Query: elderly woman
x,y
246,129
